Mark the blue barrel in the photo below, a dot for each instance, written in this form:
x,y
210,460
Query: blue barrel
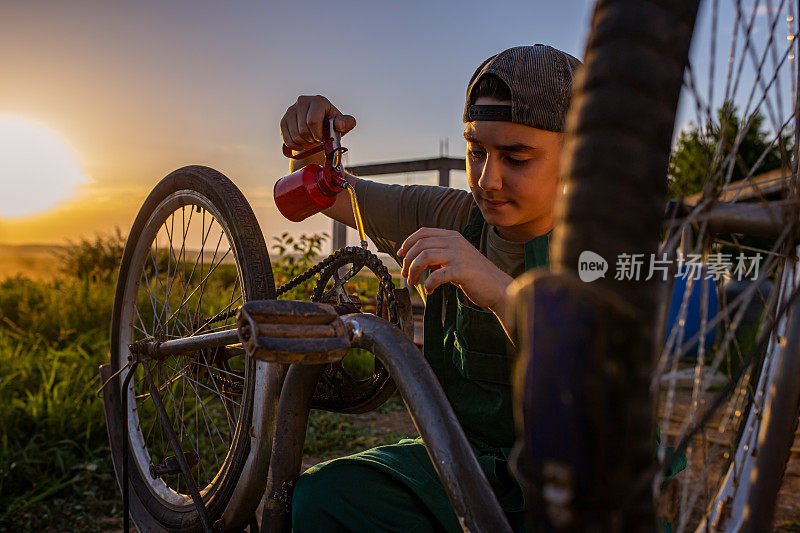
x,y
693,311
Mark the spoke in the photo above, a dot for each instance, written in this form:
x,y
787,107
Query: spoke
x,y
230,373
228,409
233,293
178,414
197,260
167,284
206,387
171,281
158,284
141,322
186,300
214,319
152,299
202,285
206,417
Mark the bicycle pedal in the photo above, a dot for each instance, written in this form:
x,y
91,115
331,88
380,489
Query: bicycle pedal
x,y
291,331
169,466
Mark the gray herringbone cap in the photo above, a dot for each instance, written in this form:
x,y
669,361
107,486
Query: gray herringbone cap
x,y
540,79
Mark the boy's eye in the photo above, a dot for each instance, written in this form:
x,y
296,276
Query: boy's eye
x,y
516,162
476,154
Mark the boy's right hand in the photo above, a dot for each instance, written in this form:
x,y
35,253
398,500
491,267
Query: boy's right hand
x,y
301,125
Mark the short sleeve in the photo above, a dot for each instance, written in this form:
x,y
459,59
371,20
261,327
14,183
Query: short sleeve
x,y
393,212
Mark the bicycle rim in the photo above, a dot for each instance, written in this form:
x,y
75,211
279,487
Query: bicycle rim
x,y
187,268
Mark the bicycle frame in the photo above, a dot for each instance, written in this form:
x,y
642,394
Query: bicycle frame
x,y
465,483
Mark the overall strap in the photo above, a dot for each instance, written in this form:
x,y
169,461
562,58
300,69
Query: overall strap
x,y
472,231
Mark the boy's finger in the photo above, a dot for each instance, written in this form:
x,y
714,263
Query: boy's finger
x,y
422,244
304,128
410,255
291,137
417,235
429,258
344,123
438,277
298,143
314,119
320,110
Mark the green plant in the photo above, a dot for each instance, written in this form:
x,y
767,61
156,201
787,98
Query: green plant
x,y
790,525
295,256
97,259
701,155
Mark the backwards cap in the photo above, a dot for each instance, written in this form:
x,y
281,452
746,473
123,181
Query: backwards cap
x,y
540,80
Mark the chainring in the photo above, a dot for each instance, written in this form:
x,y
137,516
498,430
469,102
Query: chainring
x,y
337,390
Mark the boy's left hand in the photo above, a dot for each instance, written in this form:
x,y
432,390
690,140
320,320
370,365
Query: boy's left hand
x,y
453,259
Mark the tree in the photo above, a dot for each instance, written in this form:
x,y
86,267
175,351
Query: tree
x,y
695,162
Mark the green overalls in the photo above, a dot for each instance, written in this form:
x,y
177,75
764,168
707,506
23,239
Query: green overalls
x,y
395,487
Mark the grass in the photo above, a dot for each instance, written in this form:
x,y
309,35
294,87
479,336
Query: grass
x,y
54,456
338,434
55,468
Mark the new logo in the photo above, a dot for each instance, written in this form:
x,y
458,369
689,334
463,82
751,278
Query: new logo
x,y
591,266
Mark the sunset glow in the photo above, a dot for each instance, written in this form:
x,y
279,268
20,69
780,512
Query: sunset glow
x,y
127,92
38,168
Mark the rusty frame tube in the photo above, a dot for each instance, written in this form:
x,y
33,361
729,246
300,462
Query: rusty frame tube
x,y
466,485
287,451
197,342
175,443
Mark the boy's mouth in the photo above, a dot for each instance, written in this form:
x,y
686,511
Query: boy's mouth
x,y
495,203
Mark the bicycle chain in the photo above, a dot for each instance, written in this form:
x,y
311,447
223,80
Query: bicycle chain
x,y
351,254
354,255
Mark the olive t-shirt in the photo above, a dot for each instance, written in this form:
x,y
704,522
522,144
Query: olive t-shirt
x,y
392,213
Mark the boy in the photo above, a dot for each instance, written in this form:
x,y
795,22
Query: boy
x,y
474,245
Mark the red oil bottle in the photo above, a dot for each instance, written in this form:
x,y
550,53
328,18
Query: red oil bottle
x,y
306,192
313,188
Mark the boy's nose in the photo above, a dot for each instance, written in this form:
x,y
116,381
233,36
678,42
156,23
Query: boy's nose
x,y
490,179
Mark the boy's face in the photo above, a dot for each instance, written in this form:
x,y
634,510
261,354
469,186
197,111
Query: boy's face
x,y
512,171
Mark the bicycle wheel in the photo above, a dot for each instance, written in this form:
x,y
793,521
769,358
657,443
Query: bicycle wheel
x,y
725,380
194,255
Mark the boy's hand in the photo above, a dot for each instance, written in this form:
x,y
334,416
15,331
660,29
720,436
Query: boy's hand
x,y
301,125
453,259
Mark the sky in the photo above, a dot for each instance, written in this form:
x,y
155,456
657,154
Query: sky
x,y
101,99
134,90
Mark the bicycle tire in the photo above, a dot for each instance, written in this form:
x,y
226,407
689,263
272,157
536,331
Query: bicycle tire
x,y
620,138
201,190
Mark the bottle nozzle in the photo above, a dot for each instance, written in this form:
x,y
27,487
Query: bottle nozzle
x,y
357,214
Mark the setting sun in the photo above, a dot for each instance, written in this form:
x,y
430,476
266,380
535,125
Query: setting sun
x,y
39,169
